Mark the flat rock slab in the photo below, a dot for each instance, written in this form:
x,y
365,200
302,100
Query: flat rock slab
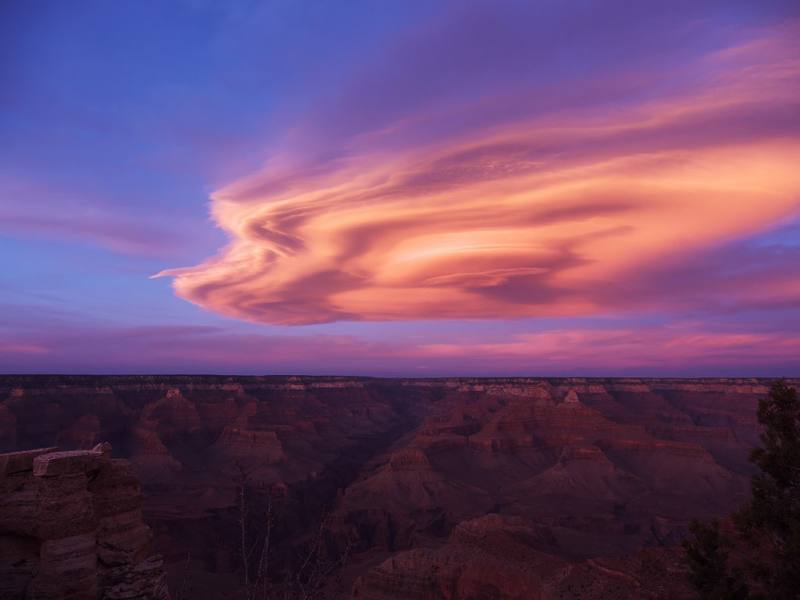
x,y
66,463
19,462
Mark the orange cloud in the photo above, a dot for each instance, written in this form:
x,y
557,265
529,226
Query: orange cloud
x,y
537,217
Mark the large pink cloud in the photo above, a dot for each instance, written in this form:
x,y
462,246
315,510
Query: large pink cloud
x,y
552,213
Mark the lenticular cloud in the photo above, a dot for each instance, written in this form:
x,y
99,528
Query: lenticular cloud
x,y
562,211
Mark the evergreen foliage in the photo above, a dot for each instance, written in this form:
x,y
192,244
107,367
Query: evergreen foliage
x,y
765,534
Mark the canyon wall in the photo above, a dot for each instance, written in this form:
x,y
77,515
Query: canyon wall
x,y
580,484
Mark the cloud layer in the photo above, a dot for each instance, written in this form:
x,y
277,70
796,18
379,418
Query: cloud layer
x,y
601,197
683,349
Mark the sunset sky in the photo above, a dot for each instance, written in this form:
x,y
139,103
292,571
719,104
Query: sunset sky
x,y
400,188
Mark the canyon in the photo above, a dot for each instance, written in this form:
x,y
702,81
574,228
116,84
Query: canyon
x,y
438,489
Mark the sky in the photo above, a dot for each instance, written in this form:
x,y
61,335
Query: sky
x,y
415,188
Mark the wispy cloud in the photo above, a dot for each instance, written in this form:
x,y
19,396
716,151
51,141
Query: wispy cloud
x,y
33,210
682,348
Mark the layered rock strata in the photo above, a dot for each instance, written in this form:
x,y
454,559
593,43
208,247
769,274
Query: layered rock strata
x,y
505,558
595,479
71,528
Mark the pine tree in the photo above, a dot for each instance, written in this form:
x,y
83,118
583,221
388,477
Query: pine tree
x,y
773,514
768,527
707,554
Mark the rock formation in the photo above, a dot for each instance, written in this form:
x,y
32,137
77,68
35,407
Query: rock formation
x,y
502,558
576,487
71,528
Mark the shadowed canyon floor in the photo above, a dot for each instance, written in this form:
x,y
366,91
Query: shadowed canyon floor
x,y
436,489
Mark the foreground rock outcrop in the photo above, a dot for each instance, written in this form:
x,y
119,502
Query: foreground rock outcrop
x,y
71,528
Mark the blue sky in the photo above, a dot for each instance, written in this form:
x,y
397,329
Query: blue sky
x,y
121,122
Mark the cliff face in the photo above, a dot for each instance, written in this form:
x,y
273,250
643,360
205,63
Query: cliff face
x,y
572,484
508,558
191,440
71,528
608,466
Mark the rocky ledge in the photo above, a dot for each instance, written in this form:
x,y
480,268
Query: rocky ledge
x,y
71,528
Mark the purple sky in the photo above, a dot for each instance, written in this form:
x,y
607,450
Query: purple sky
x,y
400,188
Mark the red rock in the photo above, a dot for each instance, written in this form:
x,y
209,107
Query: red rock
x,y
16,462
497,558
83,433
579,469
71,528
69,462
